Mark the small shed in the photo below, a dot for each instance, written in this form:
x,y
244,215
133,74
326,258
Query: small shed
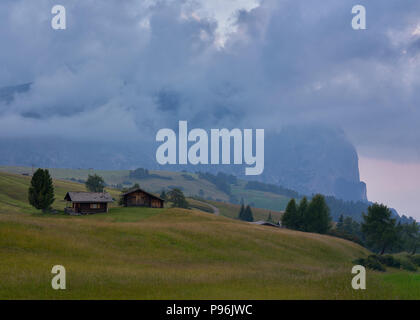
x,y
87,202
141,198
266,223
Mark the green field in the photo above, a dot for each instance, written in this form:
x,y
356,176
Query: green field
x,y
190,186
260,199
173,179
142,253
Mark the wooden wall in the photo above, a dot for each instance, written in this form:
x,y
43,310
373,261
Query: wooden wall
x,y
142,199
87,208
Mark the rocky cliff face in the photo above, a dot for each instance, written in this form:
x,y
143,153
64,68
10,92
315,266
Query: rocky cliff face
x,y
308,160
314,159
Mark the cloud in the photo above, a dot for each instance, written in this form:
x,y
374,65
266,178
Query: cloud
x,y
149,64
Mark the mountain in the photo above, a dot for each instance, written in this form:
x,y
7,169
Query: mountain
x,y
317,164
307,158
314,159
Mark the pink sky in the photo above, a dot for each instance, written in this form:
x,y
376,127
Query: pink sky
x,y
395,184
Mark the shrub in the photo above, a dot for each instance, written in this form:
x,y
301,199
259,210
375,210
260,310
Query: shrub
x,y
390,261
415,258
95,183
176,196
406,264
372,262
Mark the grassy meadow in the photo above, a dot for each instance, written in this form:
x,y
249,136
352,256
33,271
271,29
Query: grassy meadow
x,y
143,253
230,210
189,183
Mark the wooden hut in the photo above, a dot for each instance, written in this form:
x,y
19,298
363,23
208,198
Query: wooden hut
x,y
87,202
141,198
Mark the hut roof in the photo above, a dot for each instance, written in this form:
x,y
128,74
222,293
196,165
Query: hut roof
x,y
265,223
139,189
88,197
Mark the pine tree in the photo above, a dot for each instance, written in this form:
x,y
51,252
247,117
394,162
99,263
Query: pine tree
x,y
270,218
318,217
379,228
289,217
301,214
41,190
340,223
241,211
248,216
411,237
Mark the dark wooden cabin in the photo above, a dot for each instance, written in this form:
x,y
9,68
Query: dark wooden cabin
x,y
87,202
140,198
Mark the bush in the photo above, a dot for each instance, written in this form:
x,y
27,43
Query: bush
x,y
345,235
406,264
95,183
176,196
415,259
401,261
389,261
371,262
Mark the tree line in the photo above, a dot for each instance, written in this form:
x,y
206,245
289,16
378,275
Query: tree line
x,y
308,216
379,231
245,213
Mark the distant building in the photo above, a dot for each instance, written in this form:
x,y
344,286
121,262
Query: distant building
x,y
140,198
266,223
87,202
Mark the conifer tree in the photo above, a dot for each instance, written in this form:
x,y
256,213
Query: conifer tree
x,y
248,216
317,218
41,190
241,212
301,214
289,217
379,228
340,223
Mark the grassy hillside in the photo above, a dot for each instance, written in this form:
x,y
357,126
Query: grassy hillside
x,y
189,183
142,253
260,199
232,210
14,192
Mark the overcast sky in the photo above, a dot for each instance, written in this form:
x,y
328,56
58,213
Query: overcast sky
x,y
136,66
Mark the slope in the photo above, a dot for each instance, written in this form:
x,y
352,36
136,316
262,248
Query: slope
x,y
141,253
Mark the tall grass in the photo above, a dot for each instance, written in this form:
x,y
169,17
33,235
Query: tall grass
x,y
143,253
